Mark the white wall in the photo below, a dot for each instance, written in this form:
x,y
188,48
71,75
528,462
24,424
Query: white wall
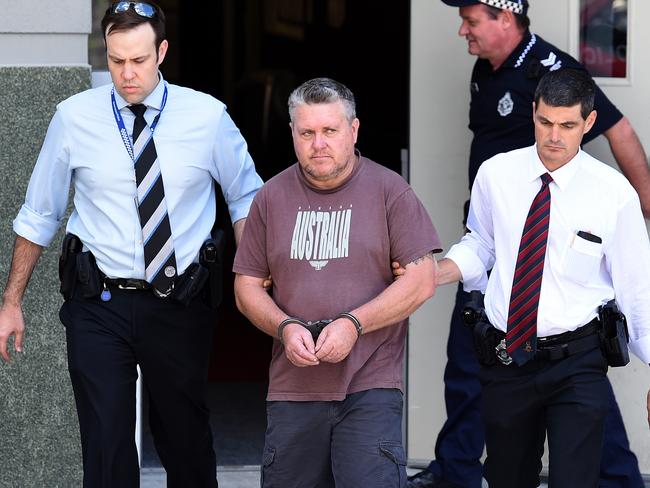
x,y
39,32
439,153
440,70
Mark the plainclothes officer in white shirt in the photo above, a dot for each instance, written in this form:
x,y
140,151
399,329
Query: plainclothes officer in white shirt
x,y
585,243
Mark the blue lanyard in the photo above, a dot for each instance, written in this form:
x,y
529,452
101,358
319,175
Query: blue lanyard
x,y
122,128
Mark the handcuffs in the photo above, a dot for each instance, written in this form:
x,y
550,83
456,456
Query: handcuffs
x,y
317,326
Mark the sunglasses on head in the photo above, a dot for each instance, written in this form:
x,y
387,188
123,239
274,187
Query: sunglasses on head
x,y
140,8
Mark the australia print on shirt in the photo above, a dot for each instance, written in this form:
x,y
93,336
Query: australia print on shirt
x,y
321,234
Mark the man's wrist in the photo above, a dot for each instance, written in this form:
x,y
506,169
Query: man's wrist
x,y
10,301
284,323
354,320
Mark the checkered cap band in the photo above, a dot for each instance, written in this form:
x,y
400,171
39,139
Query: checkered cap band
x,y
515,6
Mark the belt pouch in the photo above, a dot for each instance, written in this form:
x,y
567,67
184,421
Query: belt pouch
x,y
88,277
190,283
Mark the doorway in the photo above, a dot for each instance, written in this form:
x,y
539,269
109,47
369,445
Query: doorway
x,y
250,54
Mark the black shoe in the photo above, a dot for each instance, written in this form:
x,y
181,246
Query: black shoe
x,y
423,479
426,479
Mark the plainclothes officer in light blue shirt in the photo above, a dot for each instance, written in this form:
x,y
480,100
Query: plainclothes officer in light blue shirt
x,y
143,157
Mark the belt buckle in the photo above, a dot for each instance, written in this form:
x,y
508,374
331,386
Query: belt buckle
x,y
124,286
163,294
502,353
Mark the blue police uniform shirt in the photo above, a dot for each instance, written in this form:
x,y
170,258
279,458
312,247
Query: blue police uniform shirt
x,y
197,144
501,112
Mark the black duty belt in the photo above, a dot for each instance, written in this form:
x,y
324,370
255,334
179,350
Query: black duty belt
x,y
128,283
186,287
567,344
559,346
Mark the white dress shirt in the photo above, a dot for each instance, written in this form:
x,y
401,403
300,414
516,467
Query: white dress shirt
x,y
197,143
579,275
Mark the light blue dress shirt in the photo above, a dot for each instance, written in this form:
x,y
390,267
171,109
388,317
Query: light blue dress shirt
x,y
197,143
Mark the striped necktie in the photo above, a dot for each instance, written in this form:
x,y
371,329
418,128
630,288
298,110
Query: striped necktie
x,y
521,337
159,258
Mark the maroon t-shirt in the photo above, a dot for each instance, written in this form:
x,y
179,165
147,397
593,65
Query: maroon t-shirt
x,y
329,251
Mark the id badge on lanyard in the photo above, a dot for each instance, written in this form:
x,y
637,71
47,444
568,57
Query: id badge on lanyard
x,y
122,128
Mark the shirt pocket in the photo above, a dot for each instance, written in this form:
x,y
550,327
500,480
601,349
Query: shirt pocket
x,y
582,259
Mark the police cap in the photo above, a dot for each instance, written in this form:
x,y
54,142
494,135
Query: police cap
x,y
516,6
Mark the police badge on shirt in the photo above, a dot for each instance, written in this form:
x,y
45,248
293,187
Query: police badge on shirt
x,y
505,105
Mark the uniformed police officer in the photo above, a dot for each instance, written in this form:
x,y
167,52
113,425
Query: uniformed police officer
x,y
511,60
143,156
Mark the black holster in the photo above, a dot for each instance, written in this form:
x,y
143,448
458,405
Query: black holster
x,y
211,258
614,335
78,270
71,247
485,338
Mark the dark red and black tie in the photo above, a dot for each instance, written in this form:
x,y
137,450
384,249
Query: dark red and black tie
x,y
521,337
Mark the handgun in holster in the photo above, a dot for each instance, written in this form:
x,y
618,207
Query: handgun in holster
x,y
614,335
211,257
72,246
484,336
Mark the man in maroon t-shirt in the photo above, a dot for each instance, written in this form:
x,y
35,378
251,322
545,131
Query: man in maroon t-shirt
x,y
327,229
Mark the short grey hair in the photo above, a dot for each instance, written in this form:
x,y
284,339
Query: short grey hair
x,y
322,90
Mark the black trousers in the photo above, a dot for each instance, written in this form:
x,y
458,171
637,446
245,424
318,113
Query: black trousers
x,y
171,343
566,400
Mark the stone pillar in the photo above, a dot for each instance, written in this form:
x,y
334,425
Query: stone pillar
x,y
43,60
